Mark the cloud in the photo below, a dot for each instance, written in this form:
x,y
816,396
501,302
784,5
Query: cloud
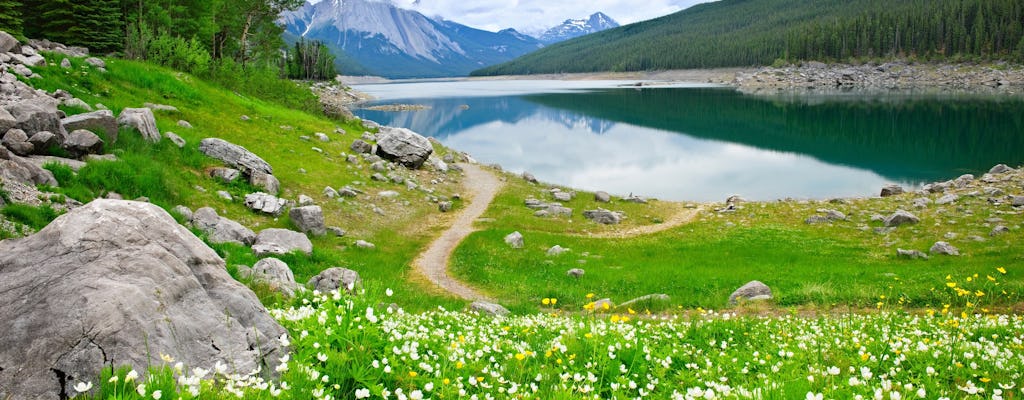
x,y
534,16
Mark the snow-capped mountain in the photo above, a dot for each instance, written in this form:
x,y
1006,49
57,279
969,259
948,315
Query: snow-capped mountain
x,y
572,28
398,43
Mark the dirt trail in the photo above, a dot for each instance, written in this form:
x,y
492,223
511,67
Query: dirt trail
x,y
483,186
678,219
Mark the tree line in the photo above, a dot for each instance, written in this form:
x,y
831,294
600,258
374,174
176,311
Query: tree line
x,y
197,36
763,32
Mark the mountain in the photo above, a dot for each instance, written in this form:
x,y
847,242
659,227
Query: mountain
x,y
381,39
729,33
573,28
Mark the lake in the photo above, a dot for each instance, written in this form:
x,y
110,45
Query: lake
x,y
705,143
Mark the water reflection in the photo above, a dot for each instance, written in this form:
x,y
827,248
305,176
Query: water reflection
x,y
706,144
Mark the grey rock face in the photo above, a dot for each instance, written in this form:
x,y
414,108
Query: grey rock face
x,y
277,274
361,147
752,291
901,217
101,121
944,248
602,197
911,254
515,240
603,216
488,308
309,219
219,229
891,190
123,282
403,146
81,142
281,241
336,278
265,203
142,120
235,156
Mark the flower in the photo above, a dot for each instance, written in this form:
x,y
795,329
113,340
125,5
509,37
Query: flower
x,y
131,376
82,387
546,301
1001,270
591,295
520,356
416,395
167,359
389,292
813,396
141,389
157,394
364,392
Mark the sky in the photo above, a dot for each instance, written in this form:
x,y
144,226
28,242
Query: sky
x,y
534,16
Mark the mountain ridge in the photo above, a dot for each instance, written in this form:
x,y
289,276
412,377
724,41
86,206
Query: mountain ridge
x,y
573,28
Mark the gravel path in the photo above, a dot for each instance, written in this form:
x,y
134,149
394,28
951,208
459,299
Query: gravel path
x,y
433,263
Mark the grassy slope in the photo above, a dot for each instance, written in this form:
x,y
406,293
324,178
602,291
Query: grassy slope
x,y
170,176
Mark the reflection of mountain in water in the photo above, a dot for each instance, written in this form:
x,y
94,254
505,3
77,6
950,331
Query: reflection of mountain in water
x,y
449,116
907,139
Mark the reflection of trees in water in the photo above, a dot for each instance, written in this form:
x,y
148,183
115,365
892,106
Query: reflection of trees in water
x,y
908,138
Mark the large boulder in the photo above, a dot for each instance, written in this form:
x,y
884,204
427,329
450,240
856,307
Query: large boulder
x,y
7,42
37,114
17,141
603,216
281,241
404,147
7,121
901,217
336,278
81,142
309,219
235,156
23,171
220,229
275,273
752,291
142,120
118,283
101,121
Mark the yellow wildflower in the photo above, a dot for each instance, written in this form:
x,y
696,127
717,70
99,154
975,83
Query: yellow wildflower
x,y
554,301
591,295
446,381
1001,270
412,374
520,356
951,284
545,301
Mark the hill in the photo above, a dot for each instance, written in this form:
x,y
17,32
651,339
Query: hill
x,y
763,32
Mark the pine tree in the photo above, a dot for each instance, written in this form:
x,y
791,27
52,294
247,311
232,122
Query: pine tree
x,y
10,17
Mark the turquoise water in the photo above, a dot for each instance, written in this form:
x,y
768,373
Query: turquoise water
x,y
707,143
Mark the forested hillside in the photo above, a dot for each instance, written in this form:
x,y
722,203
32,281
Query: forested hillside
x,y
763,32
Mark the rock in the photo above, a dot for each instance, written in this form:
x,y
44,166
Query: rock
x,y
515,240
635,199
161,107
174,138
244,118
444,206
225,195
265,203
7,121
834,215
816,219
575,273
220,229
911,254
403,146
378,166
438,164
305,200
351,159
277,274
529,177
542,214
81,142
226,175
362,244
17,141
322,137
7,42
603,216
360,147
15,169
947,199
1000,169
76,103
336,278
562,196
558,210
281,241
186,213
309,219
1017,201
142,120
330,192
602,197
944,248
348,191
336,231
101,121
235,156
534,204
556,250
891,190
35,115
602,305
123,283
922,202
44,140
649,302
901,217
999,230
752,291
184,124
487,308
267,182
23,70
96,62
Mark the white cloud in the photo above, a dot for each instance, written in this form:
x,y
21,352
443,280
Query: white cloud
x,y
532,16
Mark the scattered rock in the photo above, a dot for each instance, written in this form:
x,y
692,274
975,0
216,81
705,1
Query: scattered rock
x,y
944,248
1000,169
101,121
81,142
403,146
281,241
184,124
336,231
487,308
635,199
1017,201
947,199
96,62
227,175
901,217
360,147
267,182
234,156
362,244
17,141
515,240
891,190
378,177
602,197
752,291
277,274
142,120
336,278
603,216
922,202
349,191
999,230
575,272
556,250
265,203
220,229
174,138
309,219
911,254
444,206
305,200
562,196
527,177
186,213
603,305
817,219
161,107
330,192
123,282
322,137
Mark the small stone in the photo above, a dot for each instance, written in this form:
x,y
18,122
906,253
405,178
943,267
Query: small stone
x,y
336,278
562,196
227,175
174,138
322,137
752,291
911,254
575,272
999,169
947,199
602,197
336,231
922,202
330,192
444,206
184,124
378,177
487,308
305,200
556,250
891,190
225,195
515,240
944,248
1017,201
361,147
603,216
603,305
309,219
816,219
362,244
999,230
245,118
901,217
65,63
529,177
388,194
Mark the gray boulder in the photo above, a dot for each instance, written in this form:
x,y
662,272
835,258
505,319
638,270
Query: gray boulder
x,y
361,147
227,175
7,42
556,250
999,169
488,308
526,176
944,248
999,230
911,254
891,190
602,197
235,156
17,141
305,200
37,114
265,203
174,138
947,199
81,142
14,169
161,107
7,121
281,241
444,206
603,216
276,273
362,244
117,283
184,124
220,229
901,217
187,213
44,140
142,120
403,146
96,62
562,196
752,291
101,121
1017,201
65,63
515,240
336,278
267,182
309,219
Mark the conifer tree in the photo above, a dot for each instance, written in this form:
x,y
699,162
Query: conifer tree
x,y
10,16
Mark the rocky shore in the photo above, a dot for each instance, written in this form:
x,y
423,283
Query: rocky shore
x,y
891,76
